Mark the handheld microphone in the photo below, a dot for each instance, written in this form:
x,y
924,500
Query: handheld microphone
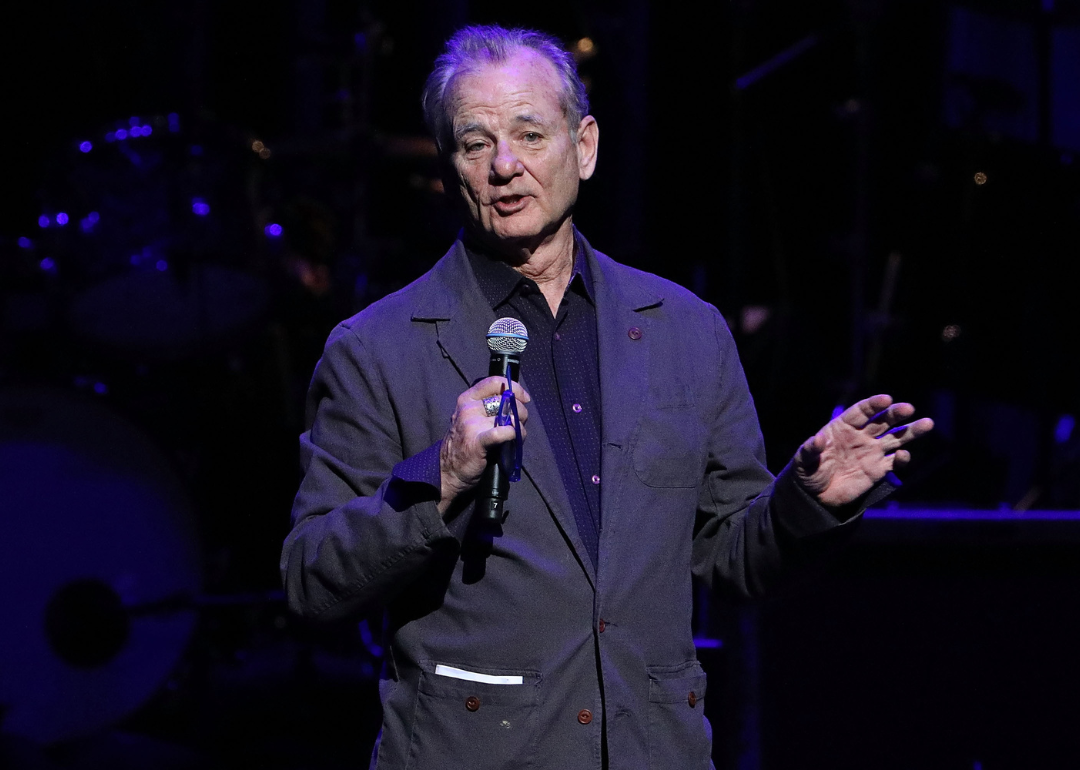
x,y
506,339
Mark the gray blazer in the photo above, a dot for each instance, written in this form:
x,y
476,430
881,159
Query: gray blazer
x,y
538,653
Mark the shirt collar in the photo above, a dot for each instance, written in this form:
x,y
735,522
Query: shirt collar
x,y
498,281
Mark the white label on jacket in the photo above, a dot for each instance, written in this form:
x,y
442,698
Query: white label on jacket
x,y
472,676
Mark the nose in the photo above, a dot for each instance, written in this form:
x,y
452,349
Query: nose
x,y
505,165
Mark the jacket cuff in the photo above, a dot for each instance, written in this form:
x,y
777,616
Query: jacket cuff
x,y
801,515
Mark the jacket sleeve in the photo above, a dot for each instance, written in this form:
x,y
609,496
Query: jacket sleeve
x,y
364,522
753,532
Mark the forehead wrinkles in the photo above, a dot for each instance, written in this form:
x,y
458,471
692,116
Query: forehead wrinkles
x,y
524,87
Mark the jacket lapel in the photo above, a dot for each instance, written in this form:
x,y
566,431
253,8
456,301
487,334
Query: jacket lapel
x,y
455,304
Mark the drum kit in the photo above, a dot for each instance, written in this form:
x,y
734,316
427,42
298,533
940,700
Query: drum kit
x,y
146,256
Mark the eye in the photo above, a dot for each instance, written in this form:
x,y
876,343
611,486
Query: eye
x,y
531,136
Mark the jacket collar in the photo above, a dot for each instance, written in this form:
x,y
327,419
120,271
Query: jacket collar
x,y
450,297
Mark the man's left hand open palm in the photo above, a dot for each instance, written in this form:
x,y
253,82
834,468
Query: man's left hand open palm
x,y
855,450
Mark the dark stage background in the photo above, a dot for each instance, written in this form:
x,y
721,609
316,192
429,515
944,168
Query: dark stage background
x,y
878,195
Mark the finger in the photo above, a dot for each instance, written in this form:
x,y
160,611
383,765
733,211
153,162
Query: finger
x,y
900,459
495,436
862,412
902,434
489,386
809,454
887,419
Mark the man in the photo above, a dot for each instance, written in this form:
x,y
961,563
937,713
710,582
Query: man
x,y
564,640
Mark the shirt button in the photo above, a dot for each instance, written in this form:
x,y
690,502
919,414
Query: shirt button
x,y
634,333
584,716
602,625
595,479
472,703
691,699
576,407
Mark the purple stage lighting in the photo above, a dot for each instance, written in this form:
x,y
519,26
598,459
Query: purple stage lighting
x,y
101,388
47,264
88,223
43,221
1063,431
273,230
25,243
121,134
135,131
146,130
61,219
85,147
200,207
162,265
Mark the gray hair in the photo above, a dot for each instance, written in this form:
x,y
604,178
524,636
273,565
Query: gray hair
x,y
473,47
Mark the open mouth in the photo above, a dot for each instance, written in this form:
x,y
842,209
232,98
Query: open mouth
x,y
510,204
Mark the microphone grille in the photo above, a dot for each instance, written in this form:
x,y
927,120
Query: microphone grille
x,y
507,335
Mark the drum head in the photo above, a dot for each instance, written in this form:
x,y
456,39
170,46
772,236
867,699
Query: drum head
x,y
95,525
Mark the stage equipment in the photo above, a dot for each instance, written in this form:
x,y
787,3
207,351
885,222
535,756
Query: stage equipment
x,y
96,525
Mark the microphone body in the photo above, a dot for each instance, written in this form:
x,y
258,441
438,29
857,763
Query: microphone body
x,y
506,339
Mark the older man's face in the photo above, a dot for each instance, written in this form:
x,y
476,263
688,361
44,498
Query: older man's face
x,y
516,165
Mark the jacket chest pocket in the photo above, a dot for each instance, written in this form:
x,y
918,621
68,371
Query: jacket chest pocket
x,y
669,448
481,726
679,734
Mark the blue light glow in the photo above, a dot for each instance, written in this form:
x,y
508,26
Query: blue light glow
x,y
135,131
1063,431
25,243
43,221
121,134
47,264
837,411
85,147
174,122
146,130
162,265
134,121
135,259
110,137
273,230
195,149
101,388
93,217
61,219
200,207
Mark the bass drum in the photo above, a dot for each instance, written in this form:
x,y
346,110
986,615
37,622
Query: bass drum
x,y
98,550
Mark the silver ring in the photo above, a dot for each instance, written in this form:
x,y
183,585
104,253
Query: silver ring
x,y
491,405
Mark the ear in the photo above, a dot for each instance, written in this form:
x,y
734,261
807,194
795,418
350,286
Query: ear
x,y
588,138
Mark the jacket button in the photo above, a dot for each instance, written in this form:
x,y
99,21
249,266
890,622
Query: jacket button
x,y
691,699
472,703
602,625
635,333
584,716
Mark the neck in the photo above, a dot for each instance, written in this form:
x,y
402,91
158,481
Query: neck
x,y
549,262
